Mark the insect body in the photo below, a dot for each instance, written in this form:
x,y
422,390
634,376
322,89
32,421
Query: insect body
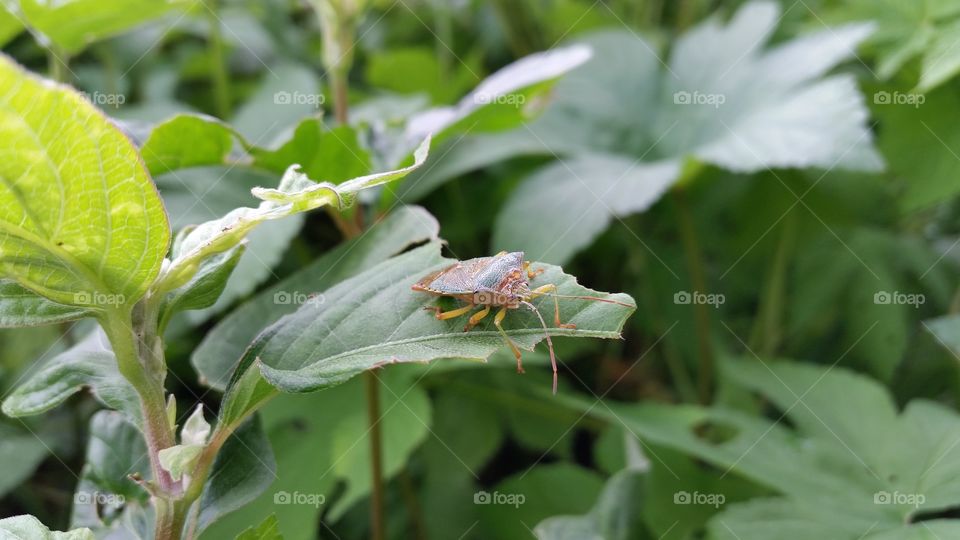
x,y
501,281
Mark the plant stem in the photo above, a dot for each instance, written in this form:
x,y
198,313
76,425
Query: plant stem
x,y
57,64
376,457
338,80
133,339
218,71
701,311
767,330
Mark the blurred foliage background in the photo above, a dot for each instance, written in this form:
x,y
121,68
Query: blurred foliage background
x,y
817,205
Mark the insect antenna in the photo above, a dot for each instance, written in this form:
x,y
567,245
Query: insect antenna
x,y
553,357
594,298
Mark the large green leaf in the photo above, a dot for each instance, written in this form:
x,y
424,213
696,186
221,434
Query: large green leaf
x,y
18,527
74,24
80,220
88,364
723,99
10,26
925,29
222,346
930,129
864,468
375,318
22,307
615,516
619,186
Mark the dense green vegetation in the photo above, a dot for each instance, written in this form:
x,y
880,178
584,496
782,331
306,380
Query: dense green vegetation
x,y
212,213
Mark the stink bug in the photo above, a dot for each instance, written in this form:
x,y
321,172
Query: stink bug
x,y
501,281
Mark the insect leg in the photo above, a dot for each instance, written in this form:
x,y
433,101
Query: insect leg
x,y
452,314
531,273
476,318
548,288
513,346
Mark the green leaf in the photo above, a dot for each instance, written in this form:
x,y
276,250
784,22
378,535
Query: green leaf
x,y
946,330
266,530
10,26
98,237
21,307
206,286
17,527
615,516
179,460
88,364
724,99
106,499
375,318
620,186
192,140
510,508
20,454
925,29
928,128
202,194
75,24
222,346
503,100
244,468
187,140
114,453
895,464
410,70
296,194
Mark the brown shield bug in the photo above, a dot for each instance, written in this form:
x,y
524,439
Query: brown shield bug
x,y
501,281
